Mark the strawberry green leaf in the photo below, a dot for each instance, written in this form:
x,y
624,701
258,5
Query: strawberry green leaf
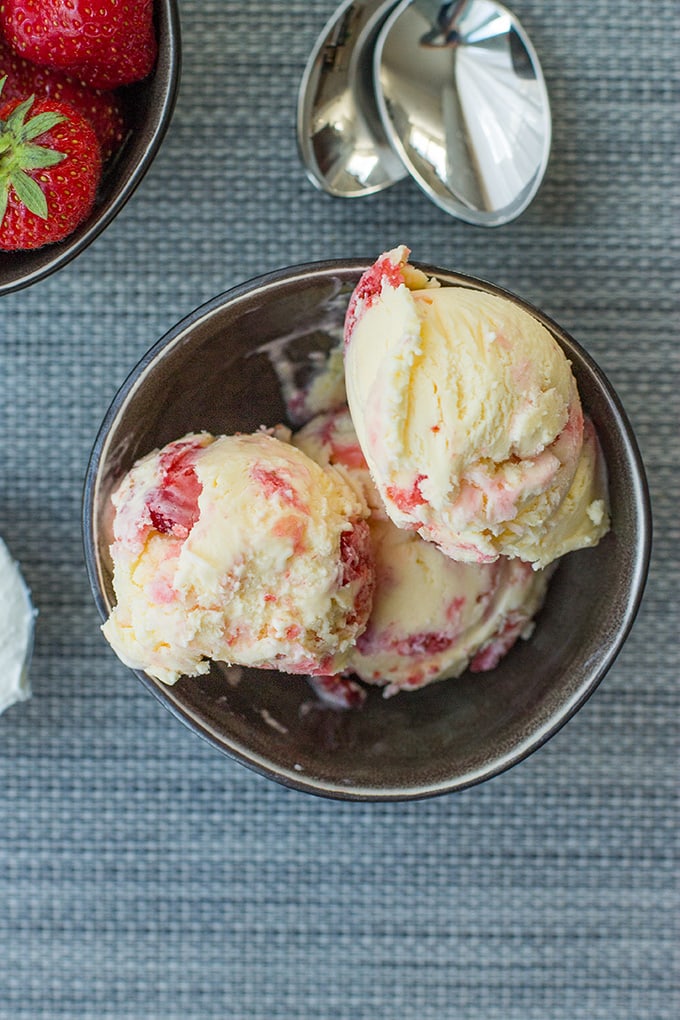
x,y
3,203
35,157
15,121
30,193
40,124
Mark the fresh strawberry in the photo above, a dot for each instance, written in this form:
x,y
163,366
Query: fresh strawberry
x,y
103,109
50,167
103,44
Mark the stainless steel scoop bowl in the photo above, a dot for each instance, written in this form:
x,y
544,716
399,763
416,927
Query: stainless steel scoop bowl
x,y
451,94
341,139
464,104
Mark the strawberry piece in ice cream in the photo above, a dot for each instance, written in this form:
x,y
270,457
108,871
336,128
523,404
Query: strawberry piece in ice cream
x,y
385,272
173,505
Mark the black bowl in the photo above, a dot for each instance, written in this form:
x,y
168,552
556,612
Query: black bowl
x,y
148,107
214,371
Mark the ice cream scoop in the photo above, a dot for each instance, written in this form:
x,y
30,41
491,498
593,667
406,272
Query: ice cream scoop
x,y
340,137
239,549
463,102
470,420
451,93
17,618
432,617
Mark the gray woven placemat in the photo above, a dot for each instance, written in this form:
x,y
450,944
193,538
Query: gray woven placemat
x,y
142,875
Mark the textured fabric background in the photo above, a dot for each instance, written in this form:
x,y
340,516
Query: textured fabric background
x,y
143,875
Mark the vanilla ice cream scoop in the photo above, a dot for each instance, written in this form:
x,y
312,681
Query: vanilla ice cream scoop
x,y
239,549
432,617
469,417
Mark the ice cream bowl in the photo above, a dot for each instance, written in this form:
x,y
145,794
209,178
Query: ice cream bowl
x,y
148,107
220,370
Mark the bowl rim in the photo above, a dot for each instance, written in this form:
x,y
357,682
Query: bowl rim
x,y
170,68
640,499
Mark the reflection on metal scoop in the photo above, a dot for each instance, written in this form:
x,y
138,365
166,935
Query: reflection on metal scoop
x,y
463,102
341,138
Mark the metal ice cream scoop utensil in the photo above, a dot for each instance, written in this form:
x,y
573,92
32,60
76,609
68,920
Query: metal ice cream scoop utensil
x,y
456,93
463,101
340,136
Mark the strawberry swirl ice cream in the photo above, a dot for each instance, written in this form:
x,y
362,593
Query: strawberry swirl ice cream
x,y
238,549
432,617
470,419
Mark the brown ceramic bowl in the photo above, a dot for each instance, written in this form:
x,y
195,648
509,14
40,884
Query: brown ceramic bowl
x,y
212,371
148,107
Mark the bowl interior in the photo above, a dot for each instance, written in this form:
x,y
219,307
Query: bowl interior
x,y
148,109
216,371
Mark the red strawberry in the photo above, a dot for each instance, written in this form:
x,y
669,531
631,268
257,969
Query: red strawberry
x,y
103,109
50,167
103,44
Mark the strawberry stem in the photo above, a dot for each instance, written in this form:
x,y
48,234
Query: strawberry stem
x,y
19,153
